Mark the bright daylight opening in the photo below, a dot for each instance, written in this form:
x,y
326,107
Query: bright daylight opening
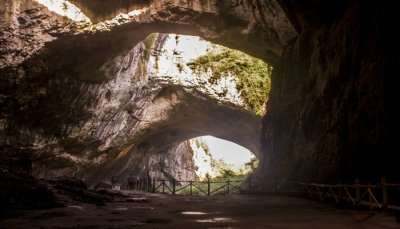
x,y
224,74
217,158
65,8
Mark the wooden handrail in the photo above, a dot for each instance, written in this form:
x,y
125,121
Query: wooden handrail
x,y
177,186
356,194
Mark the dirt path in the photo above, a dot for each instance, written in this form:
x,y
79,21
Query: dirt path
x,y
164,211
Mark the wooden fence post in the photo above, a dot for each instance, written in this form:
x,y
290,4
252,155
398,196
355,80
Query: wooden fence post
x,y
369,196
358,191
227,186
384,193
150,184
154,185
173,186
191,187
163,186
208,186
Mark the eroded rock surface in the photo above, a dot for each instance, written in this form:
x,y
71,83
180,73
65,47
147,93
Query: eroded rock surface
x,y
83,91
132,123
25,27
257,27
326,110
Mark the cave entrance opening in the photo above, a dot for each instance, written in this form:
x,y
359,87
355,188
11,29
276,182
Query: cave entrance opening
x,y
205,89
204,165
219,159
224,74
238,86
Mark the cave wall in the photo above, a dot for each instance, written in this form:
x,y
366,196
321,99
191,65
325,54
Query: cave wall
x,y
326,111
325,118
101,126
177,163
254,26
174,162
25,27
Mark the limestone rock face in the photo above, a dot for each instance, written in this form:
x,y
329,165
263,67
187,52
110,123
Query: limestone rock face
x,y
177,163
326,110
25,28
74,97
254,26
99,10
260,27
127,125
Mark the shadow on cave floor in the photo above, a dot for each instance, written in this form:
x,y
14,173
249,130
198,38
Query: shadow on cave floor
x,y
140,210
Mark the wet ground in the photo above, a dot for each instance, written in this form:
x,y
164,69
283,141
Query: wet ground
x,y
237,211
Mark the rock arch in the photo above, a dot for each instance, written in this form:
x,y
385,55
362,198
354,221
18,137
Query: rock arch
x,y
322,85
182,114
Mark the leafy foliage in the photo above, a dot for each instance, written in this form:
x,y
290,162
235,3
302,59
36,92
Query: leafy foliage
x,y
253,76
253,164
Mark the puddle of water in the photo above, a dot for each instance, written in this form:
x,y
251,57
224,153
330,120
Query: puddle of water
x,y
121,209
223,219
76,207
137,199
216,220
193,213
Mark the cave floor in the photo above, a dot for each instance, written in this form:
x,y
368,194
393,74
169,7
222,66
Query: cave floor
x,y
236,211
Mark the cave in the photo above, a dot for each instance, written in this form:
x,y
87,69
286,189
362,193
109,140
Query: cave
x,y
93,93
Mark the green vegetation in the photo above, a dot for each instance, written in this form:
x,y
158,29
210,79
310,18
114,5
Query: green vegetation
x,y
64,6
149,43
253,76
219,175
252,164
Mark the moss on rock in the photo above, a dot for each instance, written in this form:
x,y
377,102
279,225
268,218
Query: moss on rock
x,y
253,76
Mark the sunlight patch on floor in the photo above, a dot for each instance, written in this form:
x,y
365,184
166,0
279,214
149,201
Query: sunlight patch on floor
x,y
216,220
193,213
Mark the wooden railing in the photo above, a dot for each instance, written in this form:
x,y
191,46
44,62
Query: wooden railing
x,y
381,196
175,187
